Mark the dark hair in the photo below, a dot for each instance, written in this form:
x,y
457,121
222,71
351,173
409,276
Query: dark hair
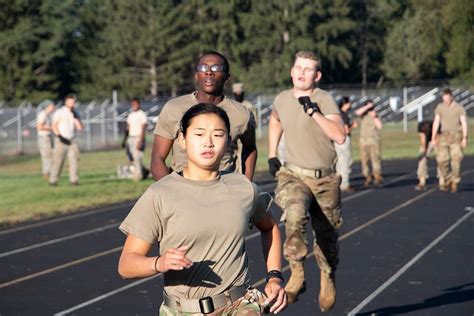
x,y
211,52
70,96
448,92
135,99
343,101
203,108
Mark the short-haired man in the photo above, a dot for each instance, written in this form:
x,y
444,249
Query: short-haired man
x,y
66,122
45,142
307,182
369,142
212,72
136,127
450,117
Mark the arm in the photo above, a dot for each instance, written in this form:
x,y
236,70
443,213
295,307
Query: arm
x,y
78,124
423,147
249,152
43,126
54,128
360,111
378,122
464,130
275,131
142,136
332,126
434,131
271,247
134,262
161,149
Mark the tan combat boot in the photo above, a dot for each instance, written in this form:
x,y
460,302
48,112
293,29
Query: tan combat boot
x,y
327,292
454,187
296,284
378,179
368,181
421,186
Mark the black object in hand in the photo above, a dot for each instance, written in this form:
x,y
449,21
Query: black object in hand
x,y
274,165
64,140
307,104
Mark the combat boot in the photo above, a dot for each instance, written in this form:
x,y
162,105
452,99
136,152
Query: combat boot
x,y
327,291
421,186
368,181
296,284
454,187
378,179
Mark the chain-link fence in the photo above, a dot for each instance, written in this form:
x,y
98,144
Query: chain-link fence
x,y
104,120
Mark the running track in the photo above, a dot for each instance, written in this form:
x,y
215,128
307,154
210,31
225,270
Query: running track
x,y
402,252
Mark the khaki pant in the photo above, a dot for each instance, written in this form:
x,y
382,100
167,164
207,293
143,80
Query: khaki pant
x,y
249,305
45,146
344,161
301,197
137,156
59,154
449,155
370,151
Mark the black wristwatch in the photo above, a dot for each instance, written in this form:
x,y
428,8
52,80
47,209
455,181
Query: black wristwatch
x,y
275,274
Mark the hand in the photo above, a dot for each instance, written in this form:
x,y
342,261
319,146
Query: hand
x,y
434,141
273,165
464,143
139,145
276,295
372,114
174,259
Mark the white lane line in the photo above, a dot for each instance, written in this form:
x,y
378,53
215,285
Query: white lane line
x,y
63,218
106,295
58,240
394,277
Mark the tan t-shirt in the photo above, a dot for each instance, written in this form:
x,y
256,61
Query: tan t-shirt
x,y
241,123
44,118
449,116
368,128
306,145
65,120
135,121
211,217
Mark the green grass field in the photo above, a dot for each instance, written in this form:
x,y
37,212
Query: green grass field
x,y
25,195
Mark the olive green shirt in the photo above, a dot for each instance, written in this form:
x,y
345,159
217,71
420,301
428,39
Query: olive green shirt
x,y
306,145
242,124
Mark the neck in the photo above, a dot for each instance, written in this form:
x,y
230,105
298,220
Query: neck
x,y
302,93
204,97
193,172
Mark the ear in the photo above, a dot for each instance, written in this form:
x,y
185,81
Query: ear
x,y
182,141
319,75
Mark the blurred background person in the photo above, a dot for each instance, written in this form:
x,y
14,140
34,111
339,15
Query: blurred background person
x,y
136,127
66,122
344,151
369,141
449,136
45,140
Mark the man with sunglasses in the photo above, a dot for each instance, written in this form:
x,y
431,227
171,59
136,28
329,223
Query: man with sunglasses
x,y
212,72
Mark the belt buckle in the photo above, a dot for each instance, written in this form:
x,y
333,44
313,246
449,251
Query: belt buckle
x,y
206,305
317,174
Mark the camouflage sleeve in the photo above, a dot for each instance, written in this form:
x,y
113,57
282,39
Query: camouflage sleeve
x,y
144,220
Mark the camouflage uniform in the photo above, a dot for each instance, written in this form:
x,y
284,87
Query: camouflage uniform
x,y
300,196
370,151
249,305
449,148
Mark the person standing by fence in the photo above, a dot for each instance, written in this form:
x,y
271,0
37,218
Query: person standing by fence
x,y
344,151
66,122
44,130
136,126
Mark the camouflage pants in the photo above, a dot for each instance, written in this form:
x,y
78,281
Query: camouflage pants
x,y
300,198
59,155
248,305
344,161
449,155
370,151
46,151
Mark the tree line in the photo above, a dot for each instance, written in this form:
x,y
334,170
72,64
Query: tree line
x,y
147,48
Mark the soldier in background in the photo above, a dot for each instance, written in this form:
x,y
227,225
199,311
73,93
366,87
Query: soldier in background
x,y
239,96
307,182
449,135
45,141
424,131
369,141
136,128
